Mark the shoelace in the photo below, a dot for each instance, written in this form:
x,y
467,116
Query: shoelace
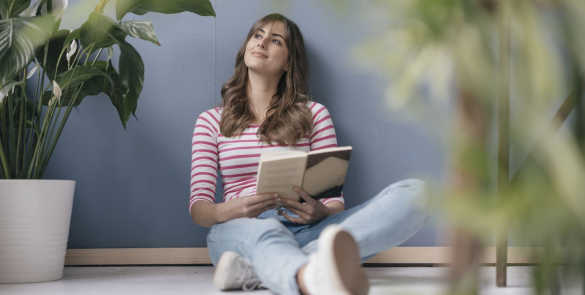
x,y
248,279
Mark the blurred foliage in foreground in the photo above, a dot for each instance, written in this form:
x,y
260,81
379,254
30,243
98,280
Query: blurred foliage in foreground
x,y
437,53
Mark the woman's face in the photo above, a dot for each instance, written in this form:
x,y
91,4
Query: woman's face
x,y
266,51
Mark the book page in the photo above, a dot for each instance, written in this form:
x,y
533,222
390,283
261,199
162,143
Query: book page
x,y
279,176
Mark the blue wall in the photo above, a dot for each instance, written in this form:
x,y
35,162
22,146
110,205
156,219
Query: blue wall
x,y
133,186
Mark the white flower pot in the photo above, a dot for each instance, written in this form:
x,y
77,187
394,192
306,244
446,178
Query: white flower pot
x,y
34,227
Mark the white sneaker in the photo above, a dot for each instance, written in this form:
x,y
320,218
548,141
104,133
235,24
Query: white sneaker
x,y
336,267
235,272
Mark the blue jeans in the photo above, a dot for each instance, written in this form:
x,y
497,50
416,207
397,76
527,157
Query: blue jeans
x,y
278,248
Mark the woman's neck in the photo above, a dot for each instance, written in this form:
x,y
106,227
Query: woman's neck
x,y
260,90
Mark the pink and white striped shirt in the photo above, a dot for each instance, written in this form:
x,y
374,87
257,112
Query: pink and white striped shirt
x,y
237,157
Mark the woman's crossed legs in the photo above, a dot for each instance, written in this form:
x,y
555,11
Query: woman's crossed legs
x,y
278,248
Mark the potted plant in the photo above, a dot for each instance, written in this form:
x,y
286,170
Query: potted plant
x,y
34,213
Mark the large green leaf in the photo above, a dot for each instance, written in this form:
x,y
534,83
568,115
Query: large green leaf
x,y
78,75
139,29
12,8
132,76
34,10
115,91
100,31
123,6
19,39
110,84
73,35
201,7
56,45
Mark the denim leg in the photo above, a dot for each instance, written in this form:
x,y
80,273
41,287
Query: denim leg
x,y
385,221
270,246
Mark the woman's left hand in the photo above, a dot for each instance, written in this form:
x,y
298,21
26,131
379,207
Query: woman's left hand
x,y
309,212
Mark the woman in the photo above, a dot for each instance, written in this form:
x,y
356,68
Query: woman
x,y
315,247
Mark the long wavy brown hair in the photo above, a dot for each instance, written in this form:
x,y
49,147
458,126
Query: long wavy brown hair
x,y
288,118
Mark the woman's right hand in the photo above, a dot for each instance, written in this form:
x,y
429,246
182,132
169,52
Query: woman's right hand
x,y
251,206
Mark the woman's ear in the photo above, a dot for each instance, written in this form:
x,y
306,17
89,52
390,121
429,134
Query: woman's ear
x,y
286,68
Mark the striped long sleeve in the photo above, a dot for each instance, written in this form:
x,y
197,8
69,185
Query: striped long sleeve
x,y
204,160
236,158
323,136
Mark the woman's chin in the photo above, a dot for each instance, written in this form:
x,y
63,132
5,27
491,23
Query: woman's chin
x,y
260,70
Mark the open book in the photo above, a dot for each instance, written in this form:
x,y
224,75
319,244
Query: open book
x,y
320,173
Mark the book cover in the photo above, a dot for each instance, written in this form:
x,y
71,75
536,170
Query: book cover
x,y
320,173
325,173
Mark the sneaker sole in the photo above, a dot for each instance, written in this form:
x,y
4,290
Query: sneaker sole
x,y
345,257
221,275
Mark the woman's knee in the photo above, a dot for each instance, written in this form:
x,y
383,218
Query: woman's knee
x,y
413,193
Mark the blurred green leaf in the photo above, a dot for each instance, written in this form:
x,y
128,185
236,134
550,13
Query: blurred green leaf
x,y
56,45
12,8
124,6
72,36
34,10
141,7
19,40
100,31
139,29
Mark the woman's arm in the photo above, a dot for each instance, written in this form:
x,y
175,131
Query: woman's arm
x,y
335,207
204,213
207,214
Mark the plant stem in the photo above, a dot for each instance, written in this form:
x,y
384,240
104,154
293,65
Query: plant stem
x,y
42,158
66,116
11,134
6,172
32,138
4,164
96,57
19,144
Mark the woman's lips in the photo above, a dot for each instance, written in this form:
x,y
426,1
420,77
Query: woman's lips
x,y
258,54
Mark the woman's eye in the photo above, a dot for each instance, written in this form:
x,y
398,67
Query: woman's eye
x,y
277,42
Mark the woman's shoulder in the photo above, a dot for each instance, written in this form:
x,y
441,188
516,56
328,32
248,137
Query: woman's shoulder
x,y
316,108
212,115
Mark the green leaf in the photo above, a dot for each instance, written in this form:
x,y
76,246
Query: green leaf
x,y
201,7
19,39
73,35
123,6
139,29
77,75
56,44
110,84
12,8
132,76
116,92
9,85
100,31
34,10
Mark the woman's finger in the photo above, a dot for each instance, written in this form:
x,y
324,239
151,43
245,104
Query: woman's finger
x,y
264,198
308,199
295,204
263,206
294,219
301,214
259,211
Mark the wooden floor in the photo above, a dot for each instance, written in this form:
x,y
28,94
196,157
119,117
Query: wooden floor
x,y
191,280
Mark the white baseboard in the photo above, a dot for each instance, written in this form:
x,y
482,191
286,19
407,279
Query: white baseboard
x,y
410,255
